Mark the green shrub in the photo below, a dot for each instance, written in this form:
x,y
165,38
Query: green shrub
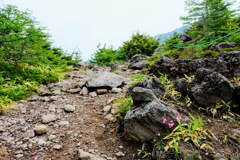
x,y
139,44
138,78
106,55
124,105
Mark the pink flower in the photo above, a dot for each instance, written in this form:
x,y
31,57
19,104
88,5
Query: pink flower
x,y
158,134
164,120
170,124
178,117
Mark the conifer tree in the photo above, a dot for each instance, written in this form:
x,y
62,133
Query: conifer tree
x,y
208,15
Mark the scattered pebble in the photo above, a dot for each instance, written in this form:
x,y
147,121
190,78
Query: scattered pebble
x,y
69,108
41,129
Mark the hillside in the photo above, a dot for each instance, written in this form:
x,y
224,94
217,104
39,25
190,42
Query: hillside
x,y
162,37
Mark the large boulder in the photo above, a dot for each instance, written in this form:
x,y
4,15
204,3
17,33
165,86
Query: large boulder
x,y
137,58
185,37
226,64
226,44
143,123
105,80
137,62
141,95
152,84
138,65
211,87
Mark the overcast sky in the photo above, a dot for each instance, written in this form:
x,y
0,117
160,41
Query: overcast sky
x,y
83,24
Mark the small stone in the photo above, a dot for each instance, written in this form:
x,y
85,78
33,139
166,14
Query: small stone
x,y
41,142
54,98
114,110
51,137
63,123
116,90
52,108
28,134
107,108
120,154
57,147
93,94
41,129
45,99
76,90
48,118
102,91
84,91
19,156
69,108
111,118
121,147
57,92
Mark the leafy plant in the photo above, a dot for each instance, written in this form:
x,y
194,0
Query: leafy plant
x,y
139,44
138,78
124,105
192,132
144,152
104,56
164,79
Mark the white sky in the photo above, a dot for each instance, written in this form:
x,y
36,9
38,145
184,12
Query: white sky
x,y
83,24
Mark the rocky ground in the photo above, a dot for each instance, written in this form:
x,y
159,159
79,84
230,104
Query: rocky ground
x,y
66,120
75,119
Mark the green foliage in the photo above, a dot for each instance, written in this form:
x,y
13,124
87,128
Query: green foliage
x,y
192,132
5,102
222,108
173,41
138,78
208,15
106,55
144,152
139,44
26,56
124,105
163,79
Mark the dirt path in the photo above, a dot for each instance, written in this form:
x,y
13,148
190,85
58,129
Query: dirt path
x,y
85,128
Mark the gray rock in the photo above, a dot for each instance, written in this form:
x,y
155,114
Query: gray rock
x,y
211,88
29,134
88,156
185,37
49,118
40,129
138,65
84,91
140,95
137,58
69,108
76,90
93,94
116,90
155,86
102,91
51,137
57,92
226,44
63,123
45,99
226,64
142,123
57,147
107,108
120,154
181,85
105,79
41,142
